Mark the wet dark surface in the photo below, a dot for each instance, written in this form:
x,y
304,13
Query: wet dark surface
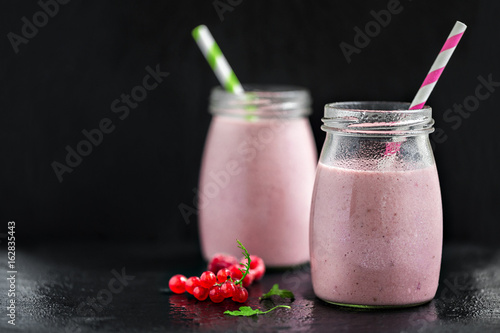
x,y
70,288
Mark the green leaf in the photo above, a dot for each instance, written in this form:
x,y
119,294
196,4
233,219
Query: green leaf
x,y
247,311
244,311
275,290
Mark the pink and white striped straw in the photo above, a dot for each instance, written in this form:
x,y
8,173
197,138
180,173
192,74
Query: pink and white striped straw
x,y
438,66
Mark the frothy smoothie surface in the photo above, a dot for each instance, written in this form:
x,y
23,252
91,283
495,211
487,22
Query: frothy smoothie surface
x,y
376,236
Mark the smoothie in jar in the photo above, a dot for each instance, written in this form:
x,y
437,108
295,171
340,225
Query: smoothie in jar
x,y
257,178
380,236
376,216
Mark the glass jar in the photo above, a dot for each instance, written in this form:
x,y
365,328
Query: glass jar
x,y
376,215
257,175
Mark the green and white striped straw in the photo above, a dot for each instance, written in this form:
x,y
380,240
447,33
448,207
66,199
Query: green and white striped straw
x,y
216,59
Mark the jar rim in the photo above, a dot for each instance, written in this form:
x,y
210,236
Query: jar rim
x,y
263,101
378,106
377,118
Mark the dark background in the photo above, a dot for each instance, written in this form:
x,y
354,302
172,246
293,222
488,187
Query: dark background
x,y
129,188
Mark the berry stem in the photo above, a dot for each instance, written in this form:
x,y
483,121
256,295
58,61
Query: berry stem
x,y
247,265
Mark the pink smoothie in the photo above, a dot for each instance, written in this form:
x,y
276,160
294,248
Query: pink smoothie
x,y
376,237
256,184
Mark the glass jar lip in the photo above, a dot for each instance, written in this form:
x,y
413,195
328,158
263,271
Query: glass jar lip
x,y
261,100
380,106
377,118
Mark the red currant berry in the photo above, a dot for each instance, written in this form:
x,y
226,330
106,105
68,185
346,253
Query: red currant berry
x,y
177,283
192,283
256,264
240,295
220,261
258,273
256,261
236,274
207,279
227,289
200,293
223,274
215,294
248,280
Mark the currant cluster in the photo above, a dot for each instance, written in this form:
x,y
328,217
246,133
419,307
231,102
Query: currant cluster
x,y
255,273
225,278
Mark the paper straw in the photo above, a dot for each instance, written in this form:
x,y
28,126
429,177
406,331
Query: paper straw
x,y
216,59
438,66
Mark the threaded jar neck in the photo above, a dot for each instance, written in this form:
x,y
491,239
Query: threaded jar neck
x,y
377,119
262,101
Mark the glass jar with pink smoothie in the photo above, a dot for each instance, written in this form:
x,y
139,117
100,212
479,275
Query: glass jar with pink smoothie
x,y
376,215
257,175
